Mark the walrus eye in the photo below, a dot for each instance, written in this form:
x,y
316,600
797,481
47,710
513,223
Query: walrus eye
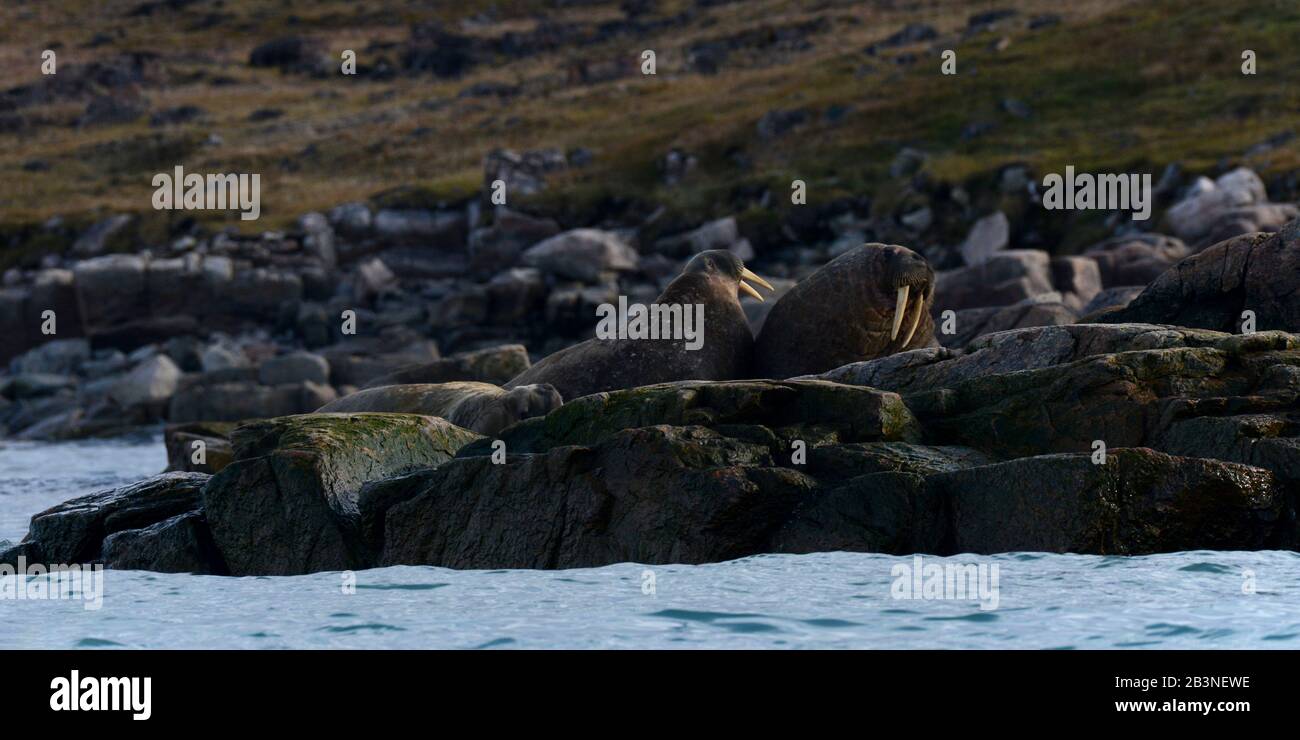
x,y
747,289
899,308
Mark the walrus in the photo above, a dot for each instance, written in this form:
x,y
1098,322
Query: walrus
x,y
871,301
712,279
478,407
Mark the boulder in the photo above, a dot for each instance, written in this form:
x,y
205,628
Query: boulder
x,y
1004,278
987,236
74,531
1193,217
239,401
1138,502
19,333
288,503
294,367
1045,309
807,409
94,241
1136,259
1211,290
151,383
1110,299
1077,279
444,229
180,544
179,439
653,495
59,357
582,254
111,290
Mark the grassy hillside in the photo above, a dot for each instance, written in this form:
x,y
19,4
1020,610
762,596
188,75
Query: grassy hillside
x,y
1113,85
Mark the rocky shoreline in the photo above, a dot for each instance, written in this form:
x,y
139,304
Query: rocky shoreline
x,y
986,442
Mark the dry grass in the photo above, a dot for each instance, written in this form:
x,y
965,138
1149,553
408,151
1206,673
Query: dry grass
x,y
1118,85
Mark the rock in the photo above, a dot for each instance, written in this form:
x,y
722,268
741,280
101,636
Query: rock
x,y
1138,502
1111,298
181,544
655,495
1004,278
812,408
222,356
1014,351
523,174
446,229
988,236
241,401
152,382
582,254
480,407
1210,290
34,385
1045,309
94,240
1207,201
372,278
1137,259
882,512
74,531
1078,279
59,357
1249,219
19,334
289,53
719,234
351,219
217,452
294,368
499,245
287,505
111,290
495,365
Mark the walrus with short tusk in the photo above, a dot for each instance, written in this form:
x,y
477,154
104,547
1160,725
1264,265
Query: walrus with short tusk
x,y
713,280
478,407
869,302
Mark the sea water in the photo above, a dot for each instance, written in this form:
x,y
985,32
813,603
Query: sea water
x,y
829,600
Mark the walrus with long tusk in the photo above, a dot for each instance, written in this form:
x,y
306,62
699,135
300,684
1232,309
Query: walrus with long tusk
x,y
713,280
869,302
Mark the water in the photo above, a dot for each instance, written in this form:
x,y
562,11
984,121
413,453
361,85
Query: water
x,y
830,600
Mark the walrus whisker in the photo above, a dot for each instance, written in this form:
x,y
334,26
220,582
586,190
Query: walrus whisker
x,y
899,309
749,291
916,319
748,274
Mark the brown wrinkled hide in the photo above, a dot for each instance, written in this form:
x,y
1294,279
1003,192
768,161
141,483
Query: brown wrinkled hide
x,y
844,313
711,278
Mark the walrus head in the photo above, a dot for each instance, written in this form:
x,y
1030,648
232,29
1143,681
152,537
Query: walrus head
x,y
905,281
719,263
871,301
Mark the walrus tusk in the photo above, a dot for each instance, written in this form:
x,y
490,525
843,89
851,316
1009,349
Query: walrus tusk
x,y
748,274
898,311
749,291
916,320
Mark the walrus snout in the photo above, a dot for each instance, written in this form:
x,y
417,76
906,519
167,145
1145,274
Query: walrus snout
x,y
911,282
